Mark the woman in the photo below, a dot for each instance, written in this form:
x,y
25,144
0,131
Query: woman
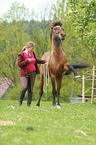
x,y
27,62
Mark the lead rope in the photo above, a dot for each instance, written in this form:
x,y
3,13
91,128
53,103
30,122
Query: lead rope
x,y
46,74
46,71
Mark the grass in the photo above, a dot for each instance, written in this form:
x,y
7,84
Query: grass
x,y
73,124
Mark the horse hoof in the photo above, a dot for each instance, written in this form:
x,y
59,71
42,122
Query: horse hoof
x,y
58,107
53,106
78,76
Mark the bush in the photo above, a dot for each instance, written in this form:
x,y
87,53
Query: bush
x,y
68,85
13,92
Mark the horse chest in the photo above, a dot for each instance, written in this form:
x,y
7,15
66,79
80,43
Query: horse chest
x,y
56,69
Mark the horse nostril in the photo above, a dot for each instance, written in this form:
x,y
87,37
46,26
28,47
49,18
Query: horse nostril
x,y
61,34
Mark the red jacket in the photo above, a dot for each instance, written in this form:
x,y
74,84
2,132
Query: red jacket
x,y
22,64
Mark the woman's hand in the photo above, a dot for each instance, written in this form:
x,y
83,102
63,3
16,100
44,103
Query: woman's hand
x,y
46,63
29,60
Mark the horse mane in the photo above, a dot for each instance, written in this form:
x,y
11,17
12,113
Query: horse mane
x,y
55,23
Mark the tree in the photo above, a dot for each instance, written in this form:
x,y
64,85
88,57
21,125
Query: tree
x,y
78,18
13,40
83,14
60,12
17,12
40,34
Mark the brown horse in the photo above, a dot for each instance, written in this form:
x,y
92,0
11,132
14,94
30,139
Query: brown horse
x,y
57,62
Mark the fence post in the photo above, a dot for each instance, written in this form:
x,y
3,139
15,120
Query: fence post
x,y
92,96
83,88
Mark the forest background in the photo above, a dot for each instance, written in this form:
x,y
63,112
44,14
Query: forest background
x,y
78,19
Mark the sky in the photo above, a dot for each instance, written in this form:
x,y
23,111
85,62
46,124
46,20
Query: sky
x,y
37,5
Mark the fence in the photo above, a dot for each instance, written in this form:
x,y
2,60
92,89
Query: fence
x,y
83,85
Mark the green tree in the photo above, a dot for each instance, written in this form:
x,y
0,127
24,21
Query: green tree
x,y
83,16
16,12
78,18
40,34
69,45
13,39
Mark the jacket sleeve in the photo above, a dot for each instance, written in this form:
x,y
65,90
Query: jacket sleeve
x,y
40,61
21,61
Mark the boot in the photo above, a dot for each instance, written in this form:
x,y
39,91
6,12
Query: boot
x,y
29,99
22,93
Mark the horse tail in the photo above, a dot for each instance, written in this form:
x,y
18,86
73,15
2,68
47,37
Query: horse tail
x,y
80,66
77,66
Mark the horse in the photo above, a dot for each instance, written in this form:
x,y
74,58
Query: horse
x,y
57,63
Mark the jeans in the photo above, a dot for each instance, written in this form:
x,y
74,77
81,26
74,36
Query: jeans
x,y
28,82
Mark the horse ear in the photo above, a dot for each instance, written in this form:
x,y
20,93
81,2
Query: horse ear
x,y
62,28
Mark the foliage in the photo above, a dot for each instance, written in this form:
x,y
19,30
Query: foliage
x,y
12,40
17,12
13,92
83,16
40,34
78,19
72,124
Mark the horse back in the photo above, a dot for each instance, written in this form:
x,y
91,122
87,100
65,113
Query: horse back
x,y
46,56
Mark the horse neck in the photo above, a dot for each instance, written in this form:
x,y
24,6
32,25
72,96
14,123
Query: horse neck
x,y
58,49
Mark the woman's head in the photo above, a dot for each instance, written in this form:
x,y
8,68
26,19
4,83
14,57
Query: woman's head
x,y
29,46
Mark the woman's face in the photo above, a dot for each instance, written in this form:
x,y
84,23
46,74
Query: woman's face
x,y
29,50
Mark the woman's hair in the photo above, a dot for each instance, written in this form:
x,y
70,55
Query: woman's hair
x,y
24,48
29,45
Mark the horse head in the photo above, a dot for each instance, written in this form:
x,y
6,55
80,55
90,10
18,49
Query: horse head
x,y
57,30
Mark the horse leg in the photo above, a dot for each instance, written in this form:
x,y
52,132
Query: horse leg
x,y
73,70
53,90
40,91
69,69
59,82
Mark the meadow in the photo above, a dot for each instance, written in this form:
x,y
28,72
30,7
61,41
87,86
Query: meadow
x,y
73,124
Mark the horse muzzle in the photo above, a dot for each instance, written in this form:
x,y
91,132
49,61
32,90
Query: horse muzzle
x,y
63,36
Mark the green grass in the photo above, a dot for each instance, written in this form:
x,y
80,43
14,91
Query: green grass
x,y
73,124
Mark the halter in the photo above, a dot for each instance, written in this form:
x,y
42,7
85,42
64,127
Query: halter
x,y
56,33
56,37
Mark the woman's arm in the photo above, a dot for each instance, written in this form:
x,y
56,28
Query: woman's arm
x,y
21,61
40,61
